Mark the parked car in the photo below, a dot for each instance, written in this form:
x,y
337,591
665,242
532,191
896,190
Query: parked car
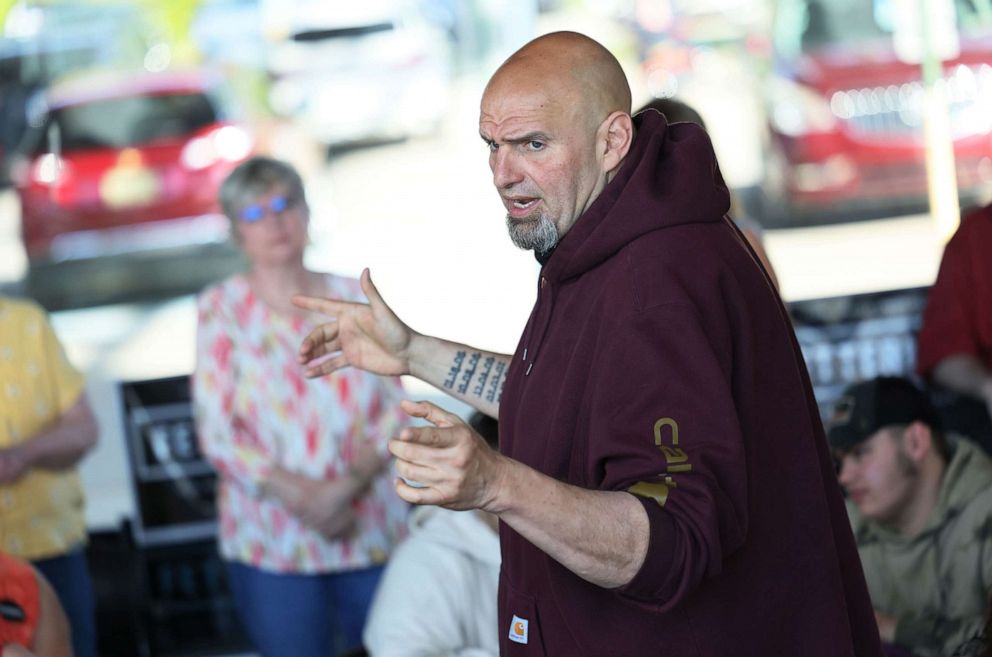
x,y
42,43
353,72
845,115
118,177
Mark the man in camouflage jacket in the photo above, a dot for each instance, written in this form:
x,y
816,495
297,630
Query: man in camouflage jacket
x,y
921,509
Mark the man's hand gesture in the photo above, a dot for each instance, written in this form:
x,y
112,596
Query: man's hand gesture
x,y
367,336
451,463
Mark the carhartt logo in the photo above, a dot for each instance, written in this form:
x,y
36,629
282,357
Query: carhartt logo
x,y
518,629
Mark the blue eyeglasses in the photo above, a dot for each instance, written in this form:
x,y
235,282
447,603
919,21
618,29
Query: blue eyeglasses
x,y
255,211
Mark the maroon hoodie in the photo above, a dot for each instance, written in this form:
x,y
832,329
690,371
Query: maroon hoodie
x,y
659,360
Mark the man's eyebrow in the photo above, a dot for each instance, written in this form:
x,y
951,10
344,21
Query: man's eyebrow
x,y
522,139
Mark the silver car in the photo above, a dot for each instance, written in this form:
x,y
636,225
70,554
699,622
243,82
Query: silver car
x,y
352,72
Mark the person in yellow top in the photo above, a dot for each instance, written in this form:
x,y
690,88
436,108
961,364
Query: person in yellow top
x,y
46,427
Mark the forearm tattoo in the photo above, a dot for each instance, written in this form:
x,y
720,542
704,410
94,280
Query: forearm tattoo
x,y
475,375
456,367
496,383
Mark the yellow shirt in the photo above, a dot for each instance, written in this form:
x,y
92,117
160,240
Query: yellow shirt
x,y
41,514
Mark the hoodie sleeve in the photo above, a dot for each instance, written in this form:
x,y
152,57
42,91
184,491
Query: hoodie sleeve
x,y
671,437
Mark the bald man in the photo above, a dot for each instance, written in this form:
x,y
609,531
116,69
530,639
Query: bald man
x,y
664,485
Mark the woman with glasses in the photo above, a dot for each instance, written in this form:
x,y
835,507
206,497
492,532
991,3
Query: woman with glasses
x,y
306,504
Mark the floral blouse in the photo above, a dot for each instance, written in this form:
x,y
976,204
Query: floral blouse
x,y
254,410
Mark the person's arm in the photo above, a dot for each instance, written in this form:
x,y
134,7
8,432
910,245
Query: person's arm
x,y
471,375
322,504
58,446
326,505
71,430
229,441
602,536
647,529
948,348
371,337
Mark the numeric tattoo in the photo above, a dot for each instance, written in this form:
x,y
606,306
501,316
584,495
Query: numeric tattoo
x,y
454,370
474,374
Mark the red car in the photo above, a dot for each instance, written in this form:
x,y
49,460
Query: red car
x,y
119,175
846,116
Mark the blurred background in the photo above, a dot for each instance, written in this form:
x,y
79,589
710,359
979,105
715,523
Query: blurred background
x,y
118,120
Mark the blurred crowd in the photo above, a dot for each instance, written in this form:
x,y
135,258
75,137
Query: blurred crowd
x,y
323,552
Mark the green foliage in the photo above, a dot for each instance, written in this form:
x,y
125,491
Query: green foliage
x,y
175,17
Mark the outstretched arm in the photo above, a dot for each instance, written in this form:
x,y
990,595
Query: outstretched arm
x,y
371,337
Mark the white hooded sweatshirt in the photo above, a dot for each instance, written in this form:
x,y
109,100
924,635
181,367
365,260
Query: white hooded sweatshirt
x,y
437,596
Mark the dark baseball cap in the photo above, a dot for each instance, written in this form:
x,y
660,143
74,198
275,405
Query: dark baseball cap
x,y
868,406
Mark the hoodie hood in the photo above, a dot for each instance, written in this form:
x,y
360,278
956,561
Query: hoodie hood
x,y
648,193
462,531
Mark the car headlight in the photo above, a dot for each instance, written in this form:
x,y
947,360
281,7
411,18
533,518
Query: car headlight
x,y
49,170
228,143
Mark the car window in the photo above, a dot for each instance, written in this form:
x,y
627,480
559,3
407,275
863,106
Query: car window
x,y
122,122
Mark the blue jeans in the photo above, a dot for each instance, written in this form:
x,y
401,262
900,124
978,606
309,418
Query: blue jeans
x,y
69,575
290,615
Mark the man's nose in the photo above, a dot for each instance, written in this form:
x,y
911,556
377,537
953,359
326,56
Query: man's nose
x,y
506,173
846,472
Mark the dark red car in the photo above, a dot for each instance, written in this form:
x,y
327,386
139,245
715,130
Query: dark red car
x,y
846,115
118,176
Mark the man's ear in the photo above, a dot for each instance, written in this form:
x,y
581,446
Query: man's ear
x,y
917,440
616,134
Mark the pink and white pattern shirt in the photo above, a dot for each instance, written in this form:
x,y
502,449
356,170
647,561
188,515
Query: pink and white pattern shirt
x,y
255,410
